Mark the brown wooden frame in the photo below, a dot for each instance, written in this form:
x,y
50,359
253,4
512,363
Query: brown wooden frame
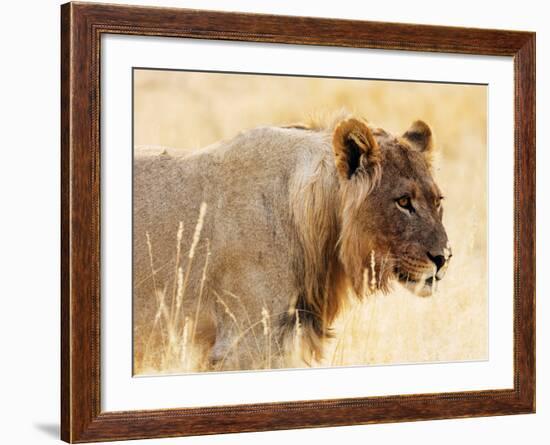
x,y
82,25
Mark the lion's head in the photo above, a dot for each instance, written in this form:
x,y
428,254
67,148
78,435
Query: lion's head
x,y
391,215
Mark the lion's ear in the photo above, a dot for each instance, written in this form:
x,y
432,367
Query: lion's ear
x,y
420,136
354,148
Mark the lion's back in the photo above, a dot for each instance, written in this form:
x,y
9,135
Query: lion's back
x,y
244,183
247,226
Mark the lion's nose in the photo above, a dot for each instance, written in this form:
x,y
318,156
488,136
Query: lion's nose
x,y
438,260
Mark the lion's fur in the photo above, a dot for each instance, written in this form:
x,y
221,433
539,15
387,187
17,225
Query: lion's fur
x,y
282,228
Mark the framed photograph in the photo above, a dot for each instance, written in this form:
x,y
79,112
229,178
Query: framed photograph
x,y
275,222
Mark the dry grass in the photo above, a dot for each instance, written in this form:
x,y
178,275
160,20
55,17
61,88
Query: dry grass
x,y
189,110
175,328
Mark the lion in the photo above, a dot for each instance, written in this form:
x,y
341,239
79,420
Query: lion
x,y
259,241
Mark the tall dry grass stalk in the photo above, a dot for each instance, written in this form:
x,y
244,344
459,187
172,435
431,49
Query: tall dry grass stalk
x,y
170,322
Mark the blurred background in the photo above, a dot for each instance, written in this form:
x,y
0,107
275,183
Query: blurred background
x,y
189,110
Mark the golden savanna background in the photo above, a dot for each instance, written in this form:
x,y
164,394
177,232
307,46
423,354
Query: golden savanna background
x,y
188,110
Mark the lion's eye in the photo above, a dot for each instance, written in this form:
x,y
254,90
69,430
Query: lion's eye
x,y
405,203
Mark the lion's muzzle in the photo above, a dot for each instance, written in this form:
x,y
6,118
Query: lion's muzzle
x,y
441,261
421,276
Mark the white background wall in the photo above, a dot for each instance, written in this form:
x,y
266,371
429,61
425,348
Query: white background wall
x,y
29,219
